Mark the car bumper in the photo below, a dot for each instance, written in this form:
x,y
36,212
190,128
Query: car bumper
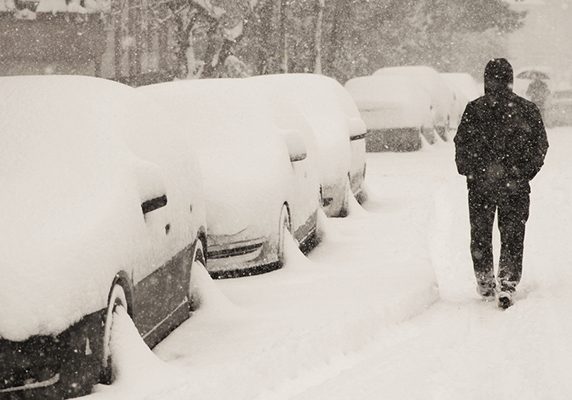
x,y
66,365
238,258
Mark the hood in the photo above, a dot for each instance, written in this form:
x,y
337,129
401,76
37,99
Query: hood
x,y
498,77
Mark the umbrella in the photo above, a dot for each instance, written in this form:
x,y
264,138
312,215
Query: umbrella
x,y
533,74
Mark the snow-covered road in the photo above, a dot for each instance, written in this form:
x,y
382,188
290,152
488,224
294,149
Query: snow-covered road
x,y
384,308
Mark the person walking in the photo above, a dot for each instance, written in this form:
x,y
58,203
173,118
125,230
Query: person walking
x,y
500,146
538,93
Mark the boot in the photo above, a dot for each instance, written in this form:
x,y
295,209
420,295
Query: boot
x,y
505,300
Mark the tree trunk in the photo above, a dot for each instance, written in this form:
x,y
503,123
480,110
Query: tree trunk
x,y
132,25
210,51
117,37
283,36
318,36
266,50
342,10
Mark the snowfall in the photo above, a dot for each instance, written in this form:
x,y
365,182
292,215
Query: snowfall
x,y
384,308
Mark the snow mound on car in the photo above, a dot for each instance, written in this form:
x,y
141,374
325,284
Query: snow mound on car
x,y
318,100
244,167
390,102
68,187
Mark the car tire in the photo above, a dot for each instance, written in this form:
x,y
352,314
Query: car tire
x,y
345,208
117,298
197,262
285,227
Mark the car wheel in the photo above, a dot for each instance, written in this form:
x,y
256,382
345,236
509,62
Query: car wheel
x,y
198,262
285,227
117,298
345,208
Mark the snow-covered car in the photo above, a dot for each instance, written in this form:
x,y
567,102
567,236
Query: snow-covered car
x,y
258,180
464,89
336,131
440,94
87,227
397,112
559,110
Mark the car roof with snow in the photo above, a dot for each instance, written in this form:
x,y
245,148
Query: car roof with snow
x,y
380,90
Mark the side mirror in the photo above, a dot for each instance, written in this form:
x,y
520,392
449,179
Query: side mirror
x,y
296,146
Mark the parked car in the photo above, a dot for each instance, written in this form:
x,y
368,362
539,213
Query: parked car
x,y
397,113
559,111
441,96
87,228
464,89
258,179
336,131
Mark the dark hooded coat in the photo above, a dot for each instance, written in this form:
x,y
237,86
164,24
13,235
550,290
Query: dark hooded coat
x,y
501,140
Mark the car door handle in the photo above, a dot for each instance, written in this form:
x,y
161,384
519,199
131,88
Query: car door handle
x,y
153,204
358,136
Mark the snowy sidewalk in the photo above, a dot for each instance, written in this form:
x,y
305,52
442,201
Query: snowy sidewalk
x,y
463,348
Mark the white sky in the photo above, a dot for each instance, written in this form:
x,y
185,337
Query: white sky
x,y
546,38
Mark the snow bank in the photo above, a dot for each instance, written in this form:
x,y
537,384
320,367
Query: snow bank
x,y
391,102
70,205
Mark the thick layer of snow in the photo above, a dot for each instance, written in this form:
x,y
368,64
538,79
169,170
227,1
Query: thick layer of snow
x,y
430,80
245,163
463,83
356,128
71,201
355,319
391,102
465,89
316,96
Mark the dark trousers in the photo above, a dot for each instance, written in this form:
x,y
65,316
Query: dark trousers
x,y
512,206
